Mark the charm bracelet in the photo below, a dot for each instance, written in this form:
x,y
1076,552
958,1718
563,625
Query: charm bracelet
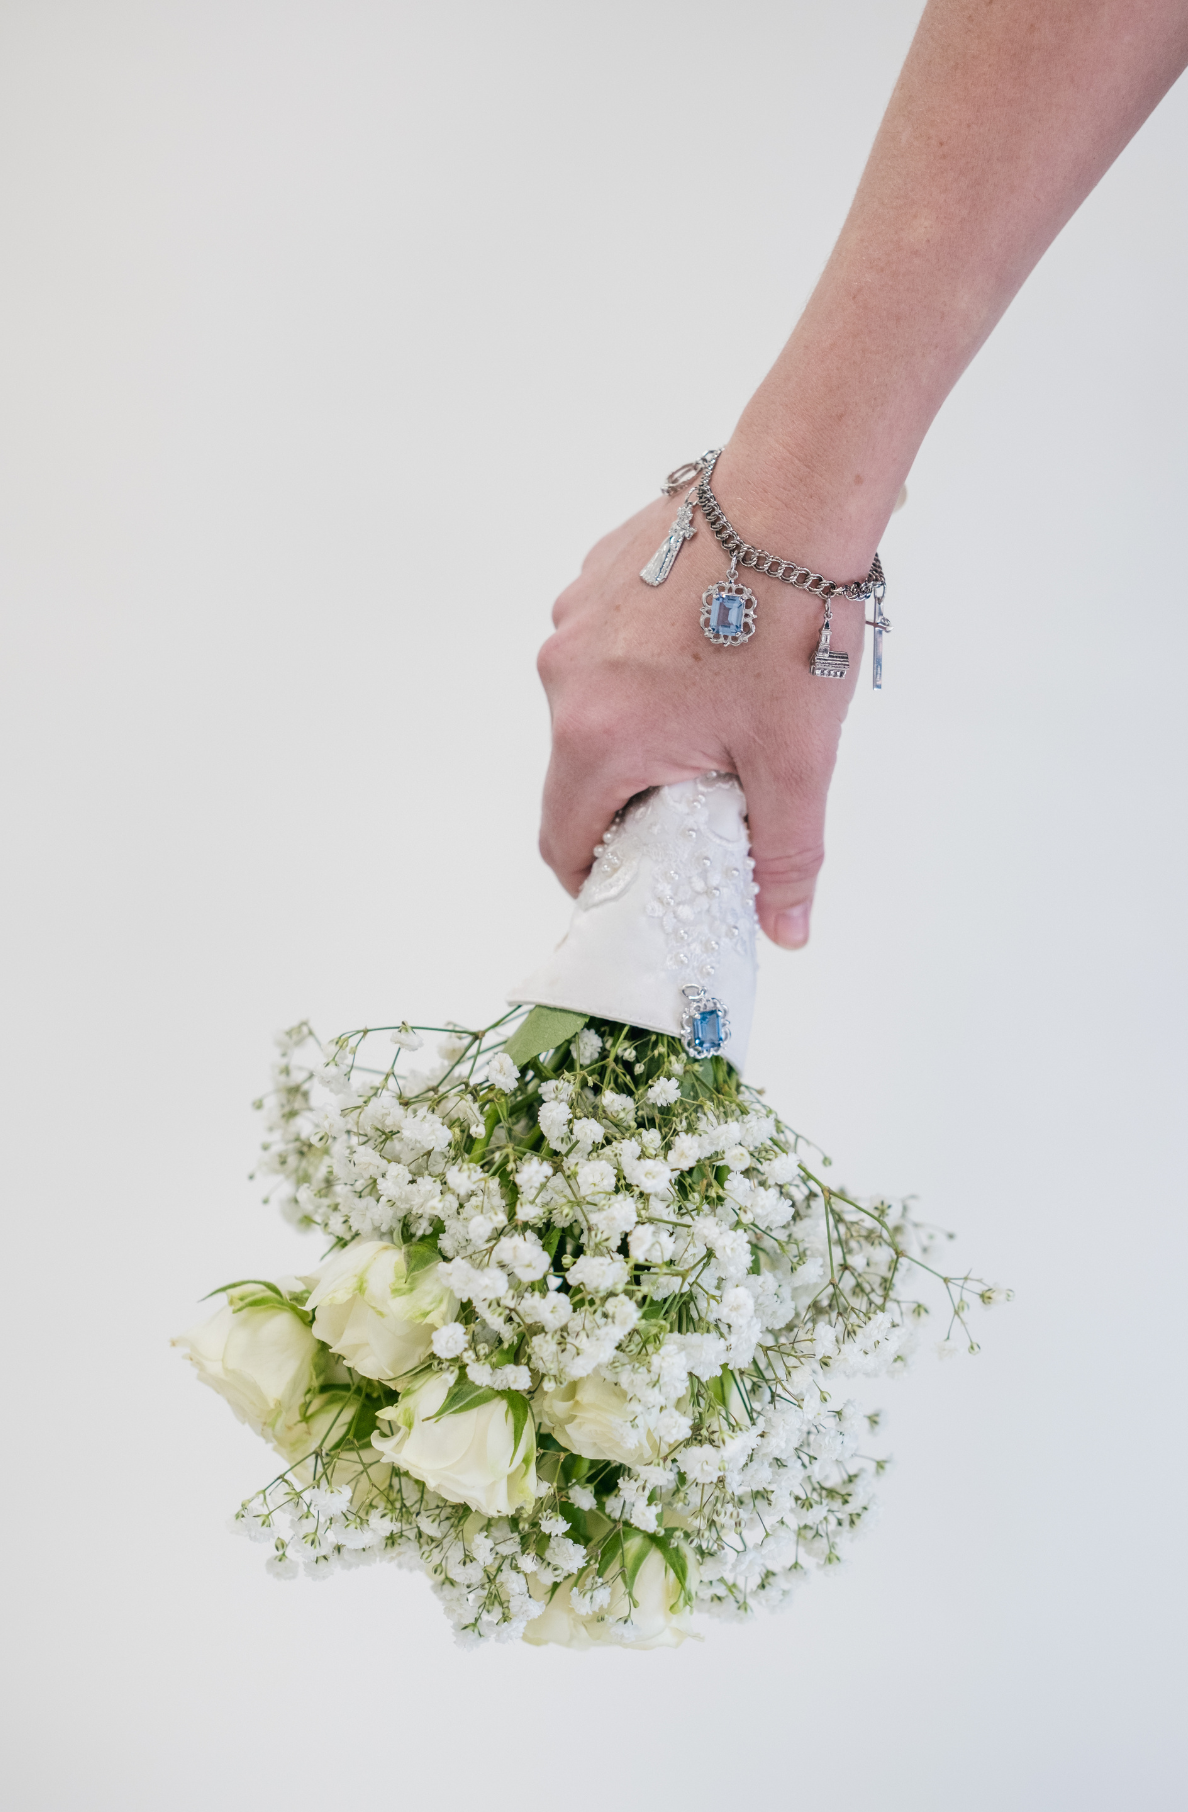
x,y
728,608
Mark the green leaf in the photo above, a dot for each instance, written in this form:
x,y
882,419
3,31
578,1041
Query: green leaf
x,y
698,1080
675,1559
241,1283
419,1256
521,1415
463,1395
364,1422
635,1552
543,1030
353,1422
612,1551
579,1526
256,1293
259,1300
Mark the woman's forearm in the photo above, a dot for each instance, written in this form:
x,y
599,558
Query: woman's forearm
x,y
1005,116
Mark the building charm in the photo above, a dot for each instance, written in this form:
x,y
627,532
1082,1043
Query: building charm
x,y
825,663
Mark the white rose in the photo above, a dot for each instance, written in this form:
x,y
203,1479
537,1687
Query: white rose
x,y
589,1416
659,1617
370,1314
262,1358
470,1458
326,1424
558,1623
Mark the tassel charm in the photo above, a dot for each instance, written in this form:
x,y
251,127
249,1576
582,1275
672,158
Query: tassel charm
x,y
682,530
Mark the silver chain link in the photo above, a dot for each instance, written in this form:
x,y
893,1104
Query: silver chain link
x,y
789,572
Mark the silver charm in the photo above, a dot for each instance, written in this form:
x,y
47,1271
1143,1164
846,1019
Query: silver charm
x,y
705,1023
826,664
682,530
728,611
880,624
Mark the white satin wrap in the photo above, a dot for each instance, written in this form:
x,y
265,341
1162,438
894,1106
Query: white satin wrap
x,y
669,903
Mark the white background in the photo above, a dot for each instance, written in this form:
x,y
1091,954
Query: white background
x,y
332,335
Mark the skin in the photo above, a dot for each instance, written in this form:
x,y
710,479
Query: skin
x,y
1006,115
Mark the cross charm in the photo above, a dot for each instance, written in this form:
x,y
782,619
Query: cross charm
x,y
880,624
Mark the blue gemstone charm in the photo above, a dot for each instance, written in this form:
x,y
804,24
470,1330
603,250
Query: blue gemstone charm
x,y
728,613
707,1029
705,1023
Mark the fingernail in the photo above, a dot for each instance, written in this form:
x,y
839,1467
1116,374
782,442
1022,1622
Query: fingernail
x,y
792,926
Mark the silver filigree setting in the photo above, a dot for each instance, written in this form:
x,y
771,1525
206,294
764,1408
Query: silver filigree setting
x,y
705,1023
728,613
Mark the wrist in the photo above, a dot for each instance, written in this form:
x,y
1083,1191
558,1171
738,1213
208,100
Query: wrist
x,y
779,497
821,452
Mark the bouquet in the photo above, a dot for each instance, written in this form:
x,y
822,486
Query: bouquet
x,y
582,1343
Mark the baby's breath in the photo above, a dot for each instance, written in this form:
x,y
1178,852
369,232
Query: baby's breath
x,y
637,1263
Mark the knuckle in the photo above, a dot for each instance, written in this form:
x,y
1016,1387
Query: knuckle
x,y
564,604
791,870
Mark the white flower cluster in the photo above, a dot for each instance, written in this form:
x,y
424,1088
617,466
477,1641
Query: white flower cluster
x,y
576,1345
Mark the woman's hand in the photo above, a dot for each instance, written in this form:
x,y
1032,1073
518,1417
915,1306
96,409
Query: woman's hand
x,y
640,698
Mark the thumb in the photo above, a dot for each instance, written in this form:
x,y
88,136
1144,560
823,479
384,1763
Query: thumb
x,y
786,815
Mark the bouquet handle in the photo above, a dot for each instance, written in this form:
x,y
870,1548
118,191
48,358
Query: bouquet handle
x,y
663,931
